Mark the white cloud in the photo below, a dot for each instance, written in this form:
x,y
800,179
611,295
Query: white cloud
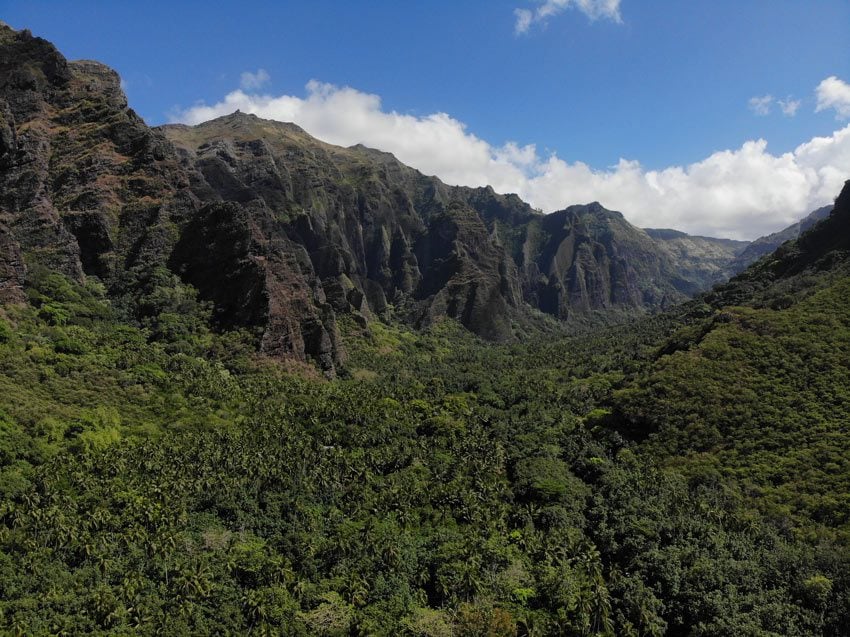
x,y
252,81
761,105
741,193
593,9
524,18
789,106
834,93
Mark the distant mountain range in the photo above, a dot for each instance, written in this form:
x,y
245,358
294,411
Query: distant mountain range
x,y
767,244
283,233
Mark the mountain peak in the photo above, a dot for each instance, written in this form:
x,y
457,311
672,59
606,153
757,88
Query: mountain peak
x,y
241,118
597,209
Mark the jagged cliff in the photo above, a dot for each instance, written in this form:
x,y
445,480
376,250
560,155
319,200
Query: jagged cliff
x,y
281,232
77,166
377,232
704,261
364,231
89,189
587,258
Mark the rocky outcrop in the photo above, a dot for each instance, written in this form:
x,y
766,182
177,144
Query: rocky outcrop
x,y
76,162
87,188
704,261
378,233
467,274
12,269
587,258
257,279
367,231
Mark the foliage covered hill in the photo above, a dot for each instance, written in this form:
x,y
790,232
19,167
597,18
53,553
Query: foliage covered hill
x,y
446,487
757,390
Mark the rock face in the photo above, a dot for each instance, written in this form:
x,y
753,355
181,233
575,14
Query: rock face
x,y
365,229
12,269
370,232
89,189
704,261
83,180
466,273
282,233
587,258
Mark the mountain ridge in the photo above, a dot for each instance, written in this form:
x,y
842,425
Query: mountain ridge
x,y
281,233
766,244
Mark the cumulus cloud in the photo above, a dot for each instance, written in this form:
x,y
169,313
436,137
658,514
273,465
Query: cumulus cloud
x,y
834,93
740,193
789,106
252,81
593,9
761,105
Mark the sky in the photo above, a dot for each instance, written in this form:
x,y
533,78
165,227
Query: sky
x,y
718,117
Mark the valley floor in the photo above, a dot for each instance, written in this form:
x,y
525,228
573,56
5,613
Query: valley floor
x,y
672,476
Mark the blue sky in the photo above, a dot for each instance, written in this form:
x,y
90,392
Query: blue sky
x,y
666,85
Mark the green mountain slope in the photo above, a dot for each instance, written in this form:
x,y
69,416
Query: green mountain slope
x,y
448,487
758,389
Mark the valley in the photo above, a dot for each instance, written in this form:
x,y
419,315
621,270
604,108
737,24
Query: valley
x,y
255,383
